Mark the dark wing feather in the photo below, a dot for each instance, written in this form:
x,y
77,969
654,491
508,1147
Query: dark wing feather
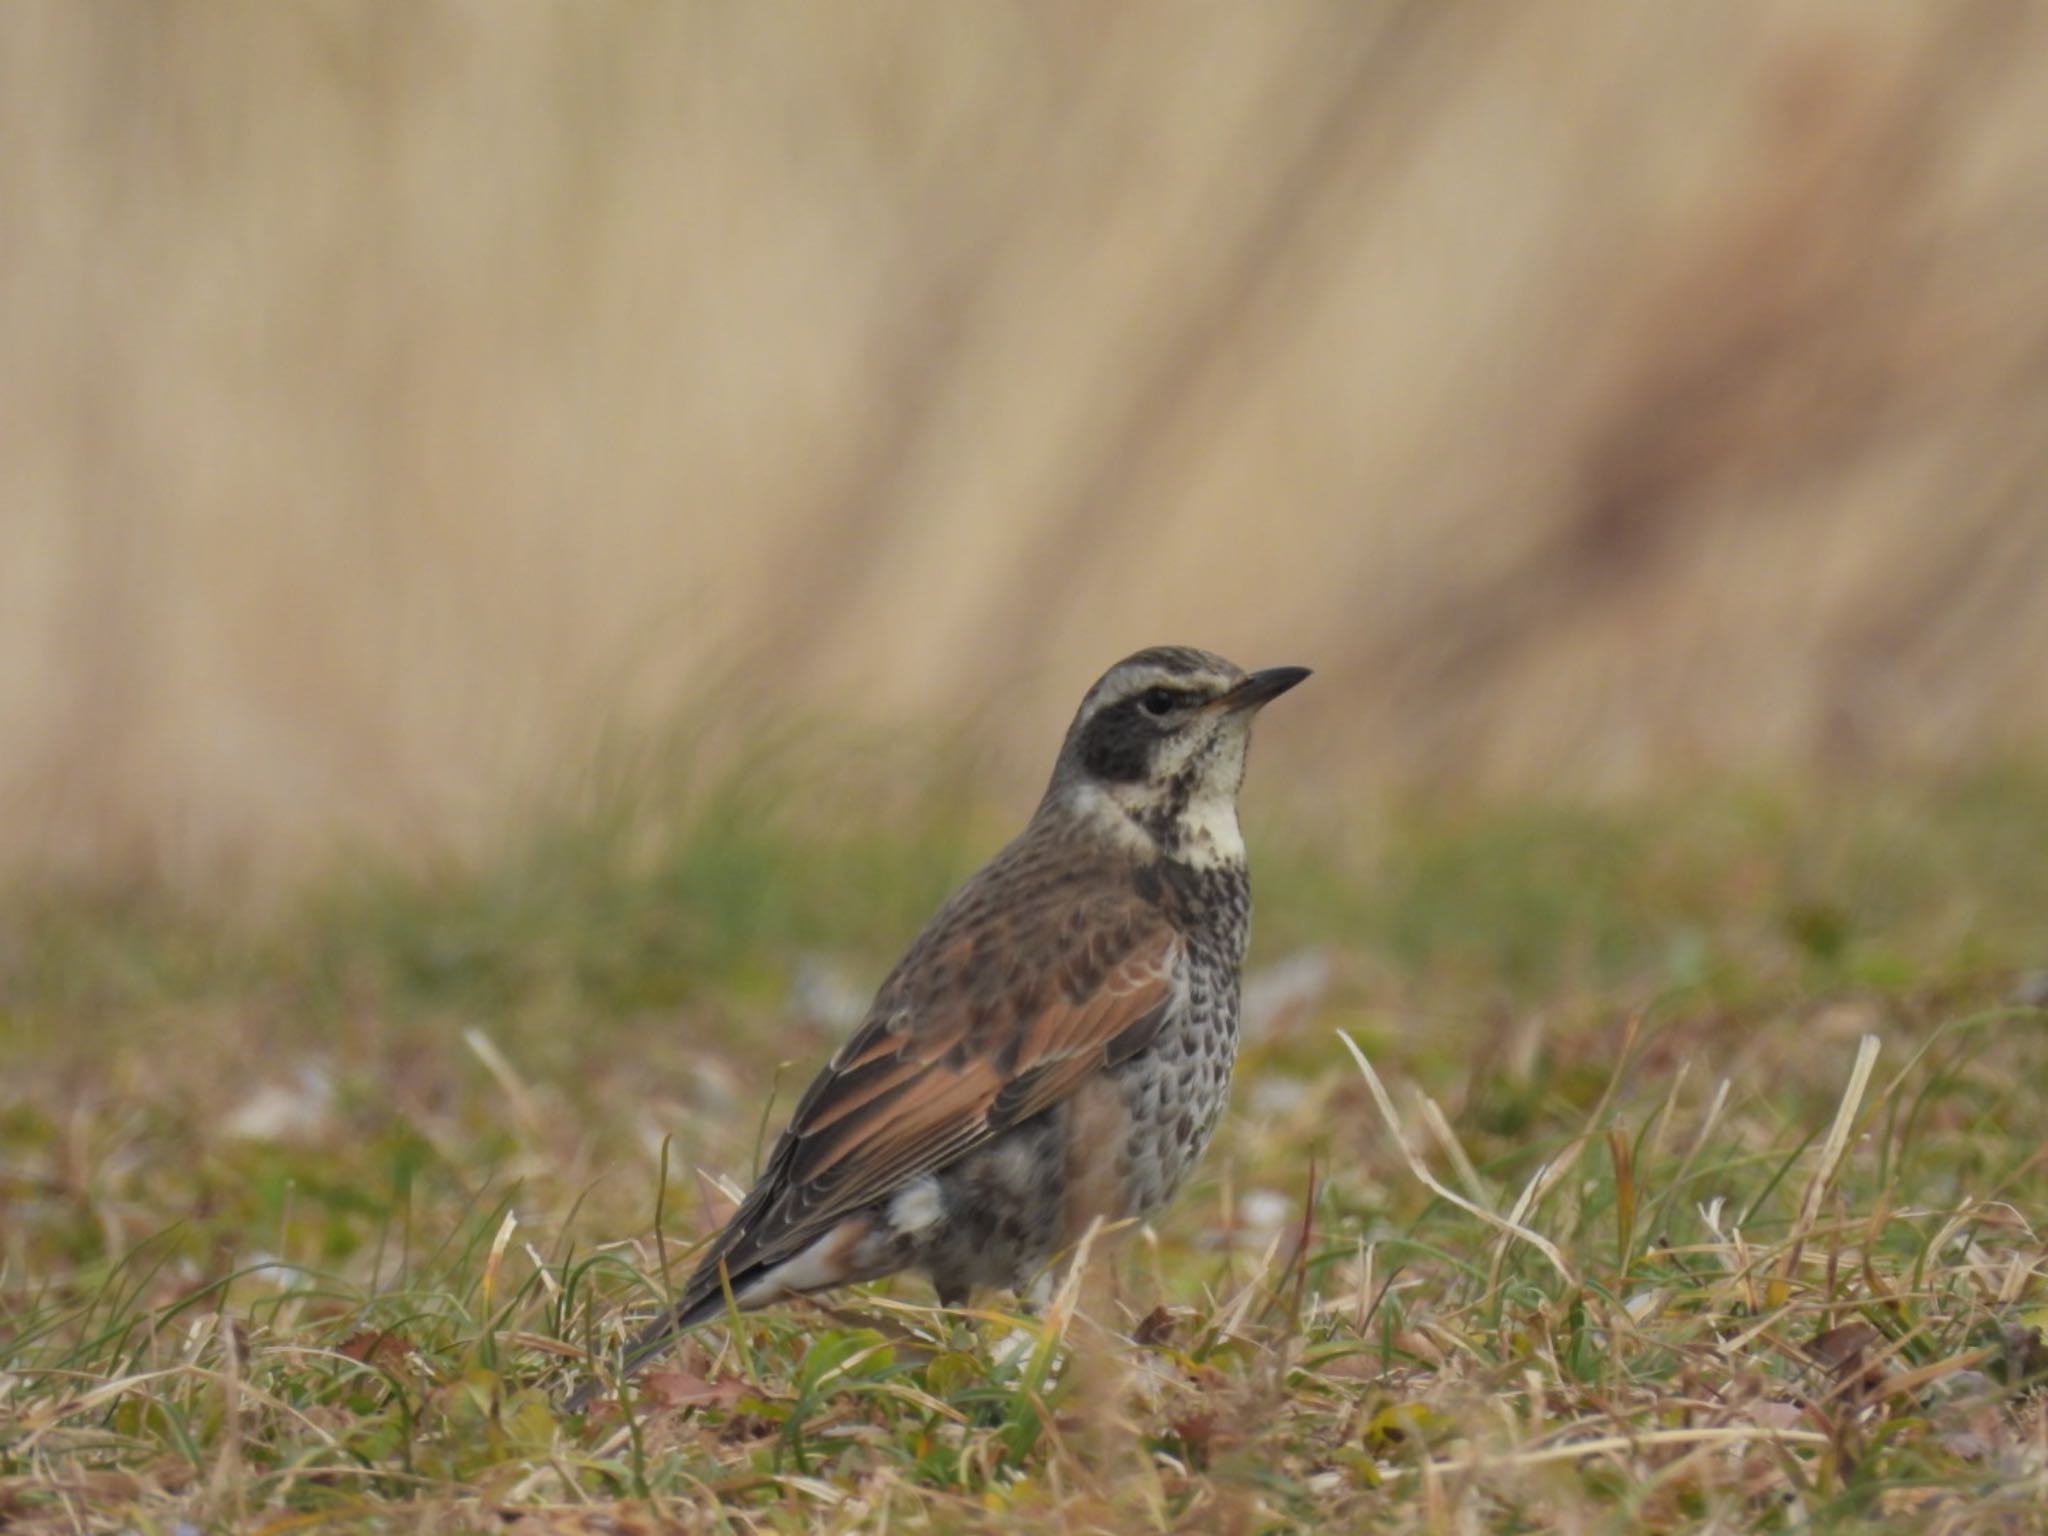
x,y
996,1015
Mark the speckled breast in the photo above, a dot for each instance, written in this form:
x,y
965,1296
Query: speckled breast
x,y
1176,1090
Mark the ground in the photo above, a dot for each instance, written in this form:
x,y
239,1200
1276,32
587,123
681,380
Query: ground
x,y
1665,1165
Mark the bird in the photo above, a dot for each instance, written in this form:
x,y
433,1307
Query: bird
x,y
1056,1046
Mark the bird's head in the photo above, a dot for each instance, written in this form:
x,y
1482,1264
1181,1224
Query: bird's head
x,y
1156,752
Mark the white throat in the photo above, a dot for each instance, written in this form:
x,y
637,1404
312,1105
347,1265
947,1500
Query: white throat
x,y
1207,825
1209,833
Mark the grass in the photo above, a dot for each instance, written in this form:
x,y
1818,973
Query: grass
x,y
1679,1166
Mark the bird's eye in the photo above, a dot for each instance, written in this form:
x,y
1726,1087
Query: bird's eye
x,y
1159,701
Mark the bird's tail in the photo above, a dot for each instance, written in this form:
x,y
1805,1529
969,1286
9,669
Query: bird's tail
x,y
695,1308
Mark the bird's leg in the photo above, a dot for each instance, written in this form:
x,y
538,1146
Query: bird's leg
x,y
1033,1299
954,1294
1037,1296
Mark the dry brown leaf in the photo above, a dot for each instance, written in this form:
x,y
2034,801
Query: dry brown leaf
x,y
684,1389
377,1346
1155,1327
1843,1350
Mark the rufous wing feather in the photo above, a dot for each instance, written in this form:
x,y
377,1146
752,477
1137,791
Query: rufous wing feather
x,y
938,1070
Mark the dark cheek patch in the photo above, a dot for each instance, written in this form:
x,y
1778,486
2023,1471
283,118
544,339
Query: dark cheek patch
x,y
1117,747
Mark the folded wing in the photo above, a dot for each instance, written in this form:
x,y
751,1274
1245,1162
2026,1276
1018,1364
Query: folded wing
x,y
988,1021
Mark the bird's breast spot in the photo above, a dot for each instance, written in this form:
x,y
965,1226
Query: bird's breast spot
x,y
918,1207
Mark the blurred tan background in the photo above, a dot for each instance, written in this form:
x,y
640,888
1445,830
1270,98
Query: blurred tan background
x,y
398,401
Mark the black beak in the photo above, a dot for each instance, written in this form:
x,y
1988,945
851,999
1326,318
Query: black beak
x,y
1262,687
